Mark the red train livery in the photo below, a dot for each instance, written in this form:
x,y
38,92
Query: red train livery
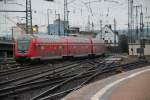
x,y
41,47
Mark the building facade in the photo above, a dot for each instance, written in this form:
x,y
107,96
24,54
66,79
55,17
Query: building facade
x,y
108,35
57,28
75,31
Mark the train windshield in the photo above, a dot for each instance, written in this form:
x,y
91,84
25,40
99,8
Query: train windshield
x,y
23,45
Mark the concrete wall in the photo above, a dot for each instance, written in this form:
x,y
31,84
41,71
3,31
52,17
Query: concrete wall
x,y
135,46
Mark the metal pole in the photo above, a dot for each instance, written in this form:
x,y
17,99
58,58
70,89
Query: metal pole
x,y
89,28
148,26
101,23
28,17
48,26
65,17
68,20
59,25
142,41
115,23
137,32
130,23
137,27
12,33
59,33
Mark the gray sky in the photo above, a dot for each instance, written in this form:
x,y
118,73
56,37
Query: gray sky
x,y
78,15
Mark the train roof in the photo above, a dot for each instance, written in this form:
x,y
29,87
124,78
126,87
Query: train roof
x,y
29,36
56,38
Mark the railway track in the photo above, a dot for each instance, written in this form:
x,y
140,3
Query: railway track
x,y
53,83
32,74
4,66
18,68
55,93
80,75
14,67
24,82
7,68
10,62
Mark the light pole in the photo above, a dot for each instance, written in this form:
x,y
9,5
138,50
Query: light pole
x,y
115,33
12,30
148,17
142,39
65,17
48,26
59,33
48,16
101,23
136,22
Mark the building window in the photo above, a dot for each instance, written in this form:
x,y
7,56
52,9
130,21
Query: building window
x,y
106,31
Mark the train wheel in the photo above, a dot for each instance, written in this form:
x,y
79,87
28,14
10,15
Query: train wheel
x,y
35,61
103,55
91,55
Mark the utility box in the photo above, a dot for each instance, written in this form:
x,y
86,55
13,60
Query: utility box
x,y
135,49
140,50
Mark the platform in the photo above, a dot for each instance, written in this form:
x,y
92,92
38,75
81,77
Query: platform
x,y
131,85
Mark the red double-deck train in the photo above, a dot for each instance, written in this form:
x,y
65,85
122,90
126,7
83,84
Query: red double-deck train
x,y
43,47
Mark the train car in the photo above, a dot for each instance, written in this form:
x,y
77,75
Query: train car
x,y
78,47
98,47
40,47
43,47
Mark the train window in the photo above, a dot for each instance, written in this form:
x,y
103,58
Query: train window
x,y
23,44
